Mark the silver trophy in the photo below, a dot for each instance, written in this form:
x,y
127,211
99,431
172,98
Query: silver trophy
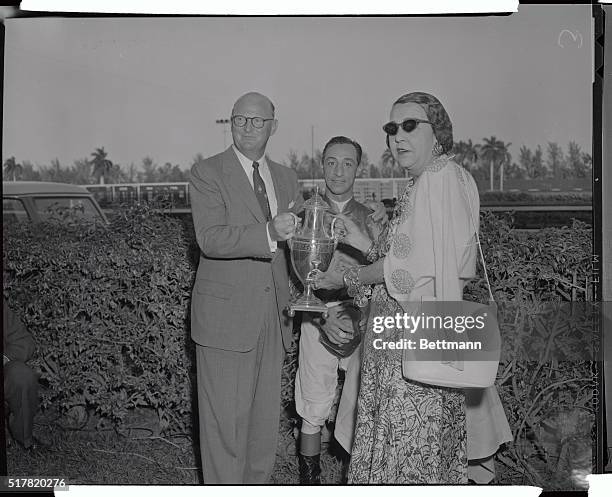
x,y
312,249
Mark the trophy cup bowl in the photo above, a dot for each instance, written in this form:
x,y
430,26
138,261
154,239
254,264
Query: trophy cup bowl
x,y
312,249
307,258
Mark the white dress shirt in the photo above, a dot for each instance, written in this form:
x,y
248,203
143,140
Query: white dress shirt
x,y
339,205
266,176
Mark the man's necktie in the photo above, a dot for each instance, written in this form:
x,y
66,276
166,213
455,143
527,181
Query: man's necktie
x,y
260,191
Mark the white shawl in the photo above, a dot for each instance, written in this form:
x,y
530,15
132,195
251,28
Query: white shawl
x,y
432,255
433,245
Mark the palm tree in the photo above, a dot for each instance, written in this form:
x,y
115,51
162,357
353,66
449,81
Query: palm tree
x,y
489,154
505,159
494,152
466,153
101,165
12,168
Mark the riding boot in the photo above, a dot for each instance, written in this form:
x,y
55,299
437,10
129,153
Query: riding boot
x,y
310,469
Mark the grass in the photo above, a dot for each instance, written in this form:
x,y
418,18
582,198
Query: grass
x,y
87,457
140,456
106,457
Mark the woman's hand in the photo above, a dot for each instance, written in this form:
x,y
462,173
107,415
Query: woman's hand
x,y
331,279
380,211
353,236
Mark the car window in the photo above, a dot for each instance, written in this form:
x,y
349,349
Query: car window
x,y
59,208
13,210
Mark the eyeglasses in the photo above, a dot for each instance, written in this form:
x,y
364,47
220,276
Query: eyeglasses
x,y
408,125
256,122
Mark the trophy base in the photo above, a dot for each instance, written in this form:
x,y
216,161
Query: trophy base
x,y
308,305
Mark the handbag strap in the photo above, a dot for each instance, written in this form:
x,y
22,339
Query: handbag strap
x,y
484,264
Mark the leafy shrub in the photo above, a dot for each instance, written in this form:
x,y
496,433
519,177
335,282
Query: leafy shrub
x,y
109,310
549,264
548,400
538,198
492,198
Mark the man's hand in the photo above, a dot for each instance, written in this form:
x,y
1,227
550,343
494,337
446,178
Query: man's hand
x,y
282,227
338,326
380,211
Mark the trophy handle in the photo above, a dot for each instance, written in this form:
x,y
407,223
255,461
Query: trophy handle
x,y
296,223
296,219
333,228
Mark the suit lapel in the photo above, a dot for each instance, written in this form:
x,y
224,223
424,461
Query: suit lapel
x,y
279,190
282,200
240,185
350,207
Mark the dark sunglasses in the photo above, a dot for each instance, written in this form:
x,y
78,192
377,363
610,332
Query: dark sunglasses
x,y
408,125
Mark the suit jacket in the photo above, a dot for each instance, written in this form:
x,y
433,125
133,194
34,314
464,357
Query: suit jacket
x,y
18,343
238,276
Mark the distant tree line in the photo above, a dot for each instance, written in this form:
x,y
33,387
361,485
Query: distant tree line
x,y
489,161
97,169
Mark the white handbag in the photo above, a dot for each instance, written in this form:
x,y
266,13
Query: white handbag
x,y
456,368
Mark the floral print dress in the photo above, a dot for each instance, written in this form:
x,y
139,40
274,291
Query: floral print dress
x,y
406,432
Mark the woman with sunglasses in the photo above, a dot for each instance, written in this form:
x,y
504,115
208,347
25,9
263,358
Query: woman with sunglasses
x,y
409,432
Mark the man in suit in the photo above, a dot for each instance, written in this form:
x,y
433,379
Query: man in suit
x,y
20,381
241,203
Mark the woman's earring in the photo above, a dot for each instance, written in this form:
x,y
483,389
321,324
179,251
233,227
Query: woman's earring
x,y
437,150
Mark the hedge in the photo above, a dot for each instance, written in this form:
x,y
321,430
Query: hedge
x,y
109,308
543,280
536,198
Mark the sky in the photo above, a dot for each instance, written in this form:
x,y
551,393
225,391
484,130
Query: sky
x,y
155,87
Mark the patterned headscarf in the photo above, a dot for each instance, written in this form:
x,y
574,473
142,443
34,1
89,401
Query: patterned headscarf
x,y
436,114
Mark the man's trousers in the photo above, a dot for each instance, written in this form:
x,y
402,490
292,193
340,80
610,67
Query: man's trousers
x,y
316,382
21,394
239,407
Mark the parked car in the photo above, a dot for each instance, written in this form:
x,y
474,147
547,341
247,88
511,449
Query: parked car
x,y
33,201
